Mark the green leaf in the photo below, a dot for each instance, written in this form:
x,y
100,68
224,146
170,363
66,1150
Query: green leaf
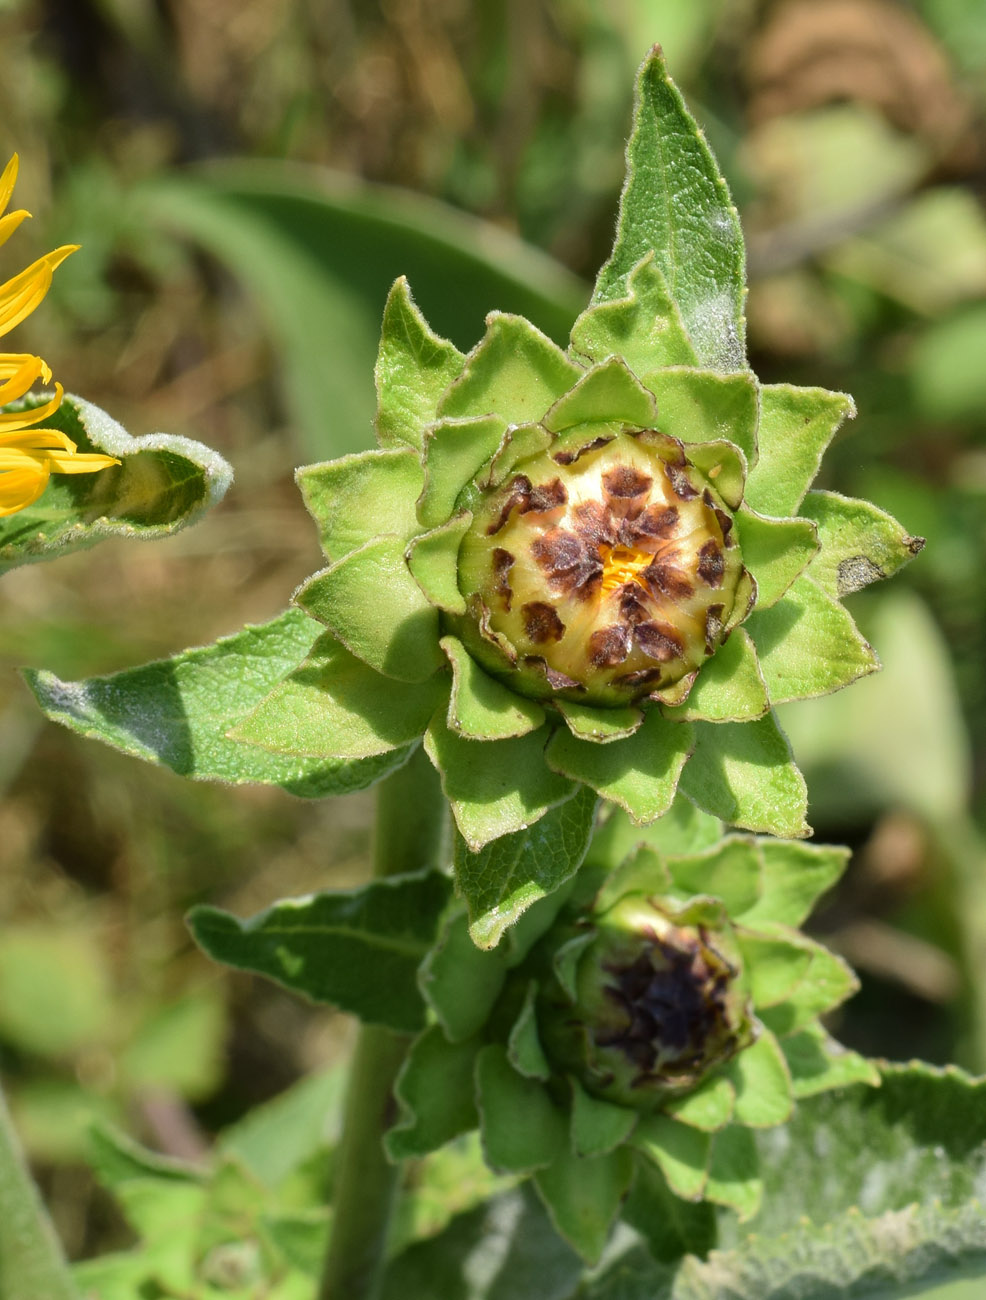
x,y
817,1062
607,392
793,877
796,425
524,1049
508,875
775,963
639,772
514,372
494,788
729,688
356,498
827,982
275,1139
433,560
435,1092
455,452
461,982
603,725
808,645
335,704
775,551
318,254
643,871
670,1226
356,949
733,1172
676,204
680,1151
179,712
519,442
729,871
163,484
645,328
760,1077
709,1107
583,1195
55,988
696,406
598,1127
481,708
743,773
859,543
521,1129
116,1158
414,367
377,610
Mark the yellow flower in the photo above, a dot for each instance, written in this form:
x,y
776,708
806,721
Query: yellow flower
x,y
28,455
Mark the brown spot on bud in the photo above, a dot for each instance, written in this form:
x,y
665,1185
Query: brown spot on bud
x,y
558,681
726,524
642,677
657,521
662,576
658,641
711,564
541,622
626,481
518,494
557,552
713,627
609,646
681,485
594,523
570,457
503,562
632,607
544,497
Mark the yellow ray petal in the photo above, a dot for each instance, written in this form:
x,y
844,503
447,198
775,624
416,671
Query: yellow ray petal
x,y
10,222
18,383
20,296
36,440
22,487
11,362
7,182
66,462
24,419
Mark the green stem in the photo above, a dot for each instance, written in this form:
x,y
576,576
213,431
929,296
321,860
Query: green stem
x,y
31,1260
410,834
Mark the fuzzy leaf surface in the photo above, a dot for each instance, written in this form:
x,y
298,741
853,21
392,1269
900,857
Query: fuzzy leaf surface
x,y
698,405
730,687
645,328
583,1195
435,1091
356,498
796,425
860,543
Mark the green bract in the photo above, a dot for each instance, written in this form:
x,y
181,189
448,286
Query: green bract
x,y
648,1023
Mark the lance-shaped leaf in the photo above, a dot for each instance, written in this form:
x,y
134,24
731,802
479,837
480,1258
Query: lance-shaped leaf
x,y
776,961
515,372
808,644
178,712
455,451
583,1195
435,1091
760,1077
356,949
826,982
645,328
796,425
356,498
676,205
414,367
859,543
680,1151
730,687
433,560
743,773
503,879
481,708
700,405
730,871
335,705
793,876
162,484
775,551
521,1128
377,610
598,1126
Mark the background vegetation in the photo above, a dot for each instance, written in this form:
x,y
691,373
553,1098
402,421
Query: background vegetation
x,y
214,158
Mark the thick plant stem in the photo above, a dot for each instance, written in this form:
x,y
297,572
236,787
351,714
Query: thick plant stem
x,y
31,1261
410,834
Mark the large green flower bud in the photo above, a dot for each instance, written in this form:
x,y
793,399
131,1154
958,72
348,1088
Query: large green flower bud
x,y
603,573
659,1001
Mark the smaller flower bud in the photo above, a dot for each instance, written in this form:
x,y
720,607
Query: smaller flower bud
x,y
660,1002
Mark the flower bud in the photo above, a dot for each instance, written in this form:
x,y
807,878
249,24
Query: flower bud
x,y
659,1002
603,574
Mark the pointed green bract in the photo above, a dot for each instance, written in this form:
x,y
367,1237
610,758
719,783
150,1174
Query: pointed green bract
x,y
588,723
676,205
759,1074
645,328
454,452
461,982
433,559
817,1063
583,1195
521,1129
808,645
796,425
335,705
518,443
356,498
643,871
356,949
743,773
776,962
701,406
481,708
515,372
414,367
775,551
608,392
377,610
730,687
794,876
435,1093
730,872
827,982
679,1150
724,465
733,1172
509,874
709,1107
640,773
524,1049
497,789
178,712
859,543
597,1126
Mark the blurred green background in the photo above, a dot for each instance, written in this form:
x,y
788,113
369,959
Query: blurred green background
x,y
246,177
